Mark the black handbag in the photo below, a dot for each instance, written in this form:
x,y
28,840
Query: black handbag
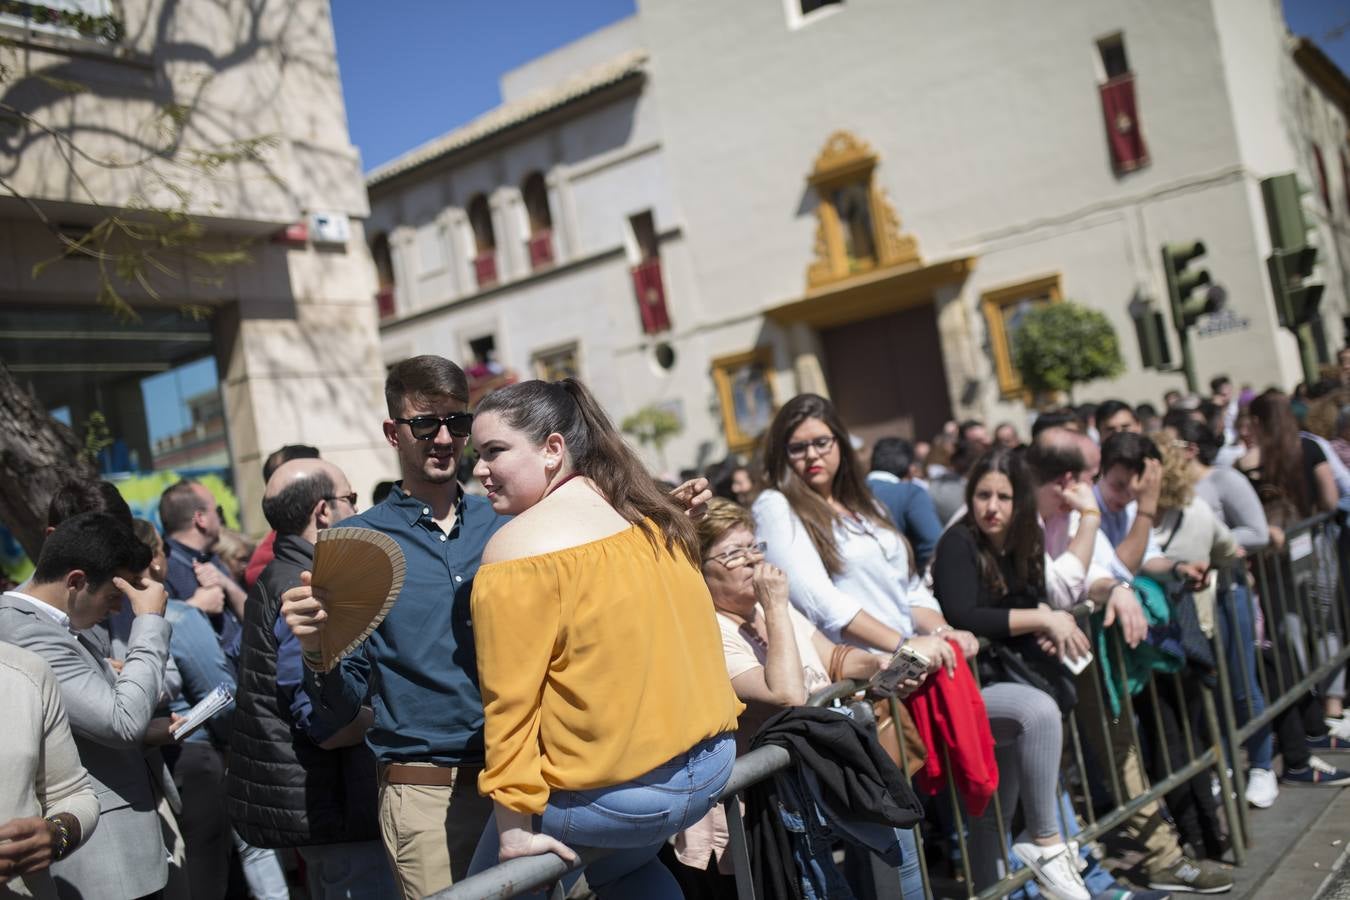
x,y
1186,623
1022,661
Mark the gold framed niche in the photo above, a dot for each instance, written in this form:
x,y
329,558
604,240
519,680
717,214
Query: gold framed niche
x,y
746,394
857,229
1003,307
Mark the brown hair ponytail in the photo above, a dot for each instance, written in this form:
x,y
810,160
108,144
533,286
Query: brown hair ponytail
x,y
598,451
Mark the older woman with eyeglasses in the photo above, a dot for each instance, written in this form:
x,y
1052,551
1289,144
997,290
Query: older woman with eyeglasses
x,y
775,657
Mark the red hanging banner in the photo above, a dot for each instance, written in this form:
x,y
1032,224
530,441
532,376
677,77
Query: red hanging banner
x,y
651,296
1123,134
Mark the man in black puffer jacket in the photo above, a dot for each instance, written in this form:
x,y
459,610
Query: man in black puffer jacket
x,y
291,784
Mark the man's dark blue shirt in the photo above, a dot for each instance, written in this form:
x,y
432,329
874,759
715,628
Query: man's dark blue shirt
x,y
911,510
418,668
180,579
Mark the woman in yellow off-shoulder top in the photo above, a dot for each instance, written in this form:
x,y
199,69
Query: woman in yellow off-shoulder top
x,y
608,711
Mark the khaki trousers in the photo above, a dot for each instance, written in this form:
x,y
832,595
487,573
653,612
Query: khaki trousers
x,y
1147,825
430,832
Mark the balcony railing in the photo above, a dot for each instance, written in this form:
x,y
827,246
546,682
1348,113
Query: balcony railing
x,y
541,249
384,302
485,268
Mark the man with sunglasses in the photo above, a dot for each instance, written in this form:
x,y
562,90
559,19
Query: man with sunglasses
x,y
418,670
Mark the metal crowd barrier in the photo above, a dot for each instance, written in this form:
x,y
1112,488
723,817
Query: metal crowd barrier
x,y
1303,600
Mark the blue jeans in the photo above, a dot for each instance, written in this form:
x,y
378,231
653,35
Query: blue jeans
x,y
909,874
1237,632
813,841
262,871
634,819
351,871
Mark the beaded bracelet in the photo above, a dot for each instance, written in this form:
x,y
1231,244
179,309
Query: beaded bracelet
x,y
62,837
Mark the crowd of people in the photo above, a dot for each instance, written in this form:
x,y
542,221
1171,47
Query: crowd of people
x,y
578,651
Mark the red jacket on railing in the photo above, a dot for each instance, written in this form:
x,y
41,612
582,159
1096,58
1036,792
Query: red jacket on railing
x,y
949,713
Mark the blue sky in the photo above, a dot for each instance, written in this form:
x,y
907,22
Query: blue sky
x,y
415,69
1318,19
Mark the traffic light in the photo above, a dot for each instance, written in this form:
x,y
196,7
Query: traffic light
x,y
1296,299
1188,302
1150,328
1182,284
1291,263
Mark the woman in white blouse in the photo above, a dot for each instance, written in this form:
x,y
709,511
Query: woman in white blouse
x,y
47,805
849,571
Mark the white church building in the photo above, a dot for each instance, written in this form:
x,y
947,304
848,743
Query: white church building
x,y
708,207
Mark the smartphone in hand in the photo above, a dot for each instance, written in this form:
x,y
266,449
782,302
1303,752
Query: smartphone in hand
x,y
907,663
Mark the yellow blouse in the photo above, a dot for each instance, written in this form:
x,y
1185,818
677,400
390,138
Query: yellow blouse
x,y
597,664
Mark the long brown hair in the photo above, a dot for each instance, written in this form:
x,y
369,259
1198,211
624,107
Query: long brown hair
x,y
598,451
1025,544
849,488
1282,477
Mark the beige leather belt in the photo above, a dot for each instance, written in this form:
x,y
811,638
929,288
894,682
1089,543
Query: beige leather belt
x,y
425,776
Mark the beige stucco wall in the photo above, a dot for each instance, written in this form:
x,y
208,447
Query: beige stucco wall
x,y
294,326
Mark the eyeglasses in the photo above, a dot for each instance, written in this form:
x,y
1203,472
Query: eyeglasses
x,y
424,428
822,446
350,498
735,557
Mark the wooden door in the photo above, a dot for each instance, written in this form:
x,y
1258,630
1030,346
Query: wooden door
x,y
886,375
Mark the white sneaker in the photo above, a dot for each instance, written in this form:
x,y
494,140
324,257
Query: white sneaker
x,y
1262,788
1056,869
1339,728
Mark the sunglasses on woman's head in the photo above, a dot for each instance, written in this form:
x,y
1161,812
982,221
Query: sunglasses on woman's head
x,y
424,428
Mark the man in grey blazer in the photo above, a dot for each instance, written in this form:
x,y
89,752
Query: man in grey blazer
x,y
88,567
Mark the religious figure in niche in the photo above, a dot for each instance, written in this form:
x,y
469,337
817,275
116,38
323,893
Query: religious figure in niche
x,y
853,206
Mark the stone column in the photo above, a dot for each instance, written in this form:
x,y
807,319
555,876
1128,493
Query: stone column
x,y
300,364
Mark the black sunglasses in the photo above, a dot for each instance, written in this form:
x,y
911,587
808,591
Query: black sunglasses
x,y
424,428
350,498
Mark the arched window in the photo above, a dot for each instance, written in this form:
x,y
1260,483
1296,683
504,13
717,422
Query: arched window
x,y
535,192
484,241
384,274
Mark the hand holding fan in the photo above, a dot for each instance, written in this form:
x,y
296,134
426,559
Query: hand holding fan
x,y
362,572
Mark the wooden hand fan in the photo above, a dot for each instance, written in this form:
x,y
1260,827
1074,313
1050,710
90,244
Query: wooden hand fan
x,y
362,571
